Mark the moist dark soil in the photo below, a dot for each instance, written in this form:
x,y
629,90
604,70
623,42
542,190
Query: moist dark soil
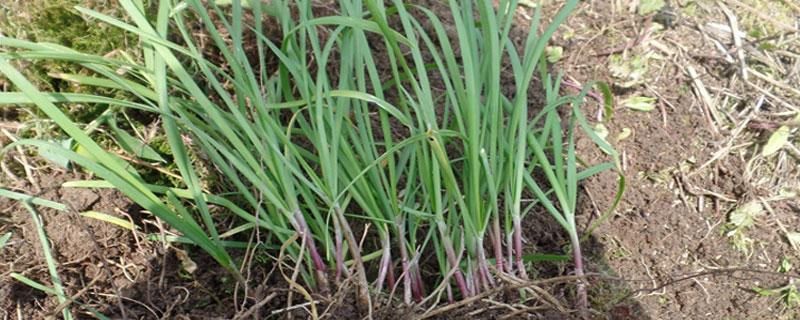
x,y
663,254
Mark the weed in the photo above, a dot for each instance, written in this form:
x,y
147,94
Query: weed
x,y
309,152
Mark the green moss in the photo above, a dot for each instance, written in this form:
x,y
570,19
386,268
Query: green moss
x,y
62,25
57,21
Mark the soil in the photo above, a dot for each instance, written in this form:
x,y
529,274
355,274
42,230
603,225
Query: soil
x,y
663,254
667,239
109,261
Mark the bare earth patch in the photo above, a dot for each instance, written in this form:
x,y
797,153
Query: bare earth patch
x,y
695,158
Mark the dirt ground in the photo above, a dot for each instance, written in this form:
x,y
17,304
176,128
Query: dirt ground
x,y
687,172
675,248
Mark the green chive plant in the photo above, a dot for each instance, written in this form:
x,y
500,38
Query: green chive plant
x,y
329,139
